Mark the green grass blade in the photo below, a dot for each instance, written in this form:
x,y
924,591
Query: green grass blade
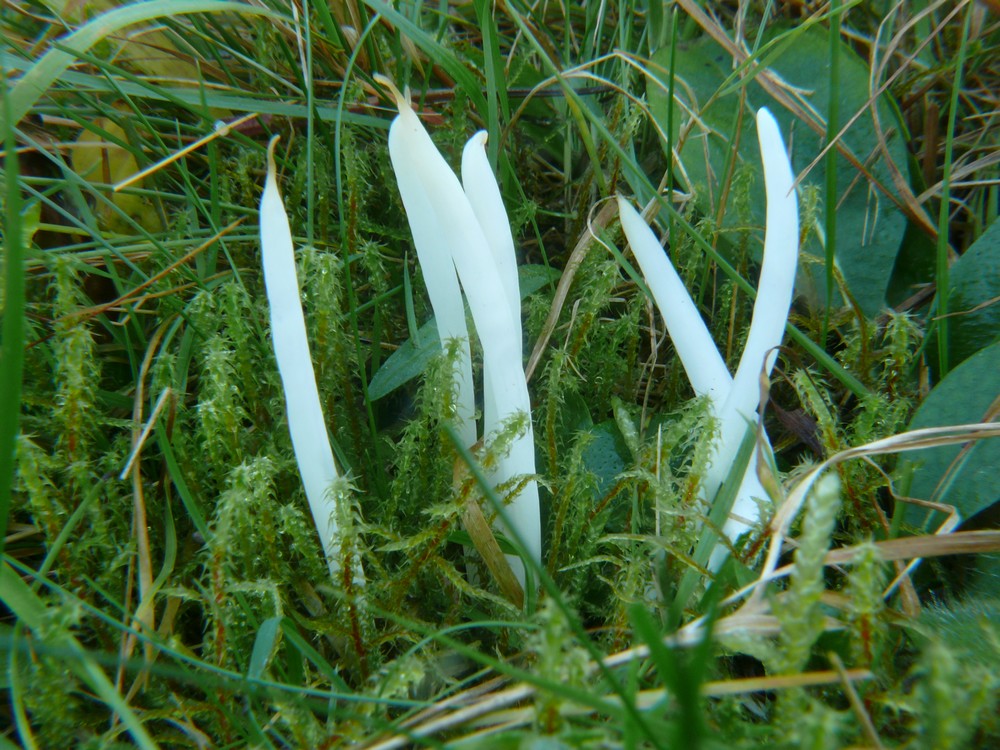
x,y
12,351
630,711
496,90
25,603
676,671
830,165
41,75
944,212
464,78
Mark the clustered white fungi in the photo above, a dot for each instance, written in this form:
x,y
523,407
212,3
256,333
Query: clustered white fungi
x,y
733,399
463,226
463,242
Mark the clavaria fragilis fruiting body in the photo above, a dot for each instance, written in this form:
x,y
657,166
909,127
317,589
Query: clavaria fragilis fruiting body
x,y
734,400
306,424
467,230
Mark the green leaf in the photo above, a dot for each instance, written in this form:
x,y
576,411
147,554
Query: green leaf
x,y
407,362
439,53
12,326
974,301
969,483
869,226
411,359
607,455
263,647
295,639
681,672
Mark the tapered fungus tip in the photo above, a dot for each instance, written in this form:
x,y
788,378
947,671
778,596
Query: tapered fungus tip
x,y
402,100
779,179
766,124
271,169
627,214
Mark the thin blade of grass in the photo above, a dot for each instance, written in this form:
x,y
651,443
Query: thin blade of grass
x,y
25,603
12,351
42,74
944,212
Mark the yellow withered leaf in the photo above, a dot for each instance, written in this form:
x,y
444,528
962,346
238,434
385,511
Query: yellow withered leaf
x,y
102,161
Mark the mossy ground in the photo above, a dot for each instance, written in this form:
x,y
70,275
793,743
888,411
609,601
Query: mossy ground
x,y
195,582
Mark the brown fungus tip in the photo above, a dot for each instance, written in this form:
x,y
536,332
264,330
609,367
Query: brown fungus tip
x,y
402,99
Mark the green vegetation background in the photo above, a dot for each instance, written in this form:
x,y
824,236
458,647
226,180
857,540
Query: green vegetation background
x,y
162,583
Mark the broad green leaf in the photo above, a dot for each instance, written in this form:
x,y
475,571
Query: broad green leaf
x,y
606,455
869,226
410,360
974,301
407,362
970,482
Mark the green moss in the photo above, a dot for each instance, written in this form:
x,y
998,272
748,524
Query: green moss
x,y
622,445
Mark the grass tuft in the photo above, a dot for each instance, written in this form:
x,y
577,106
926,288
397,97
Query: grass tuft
x,y
162,581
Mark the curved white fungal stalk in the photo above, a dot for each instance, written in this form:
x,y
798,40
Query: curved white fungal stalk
x,y
734,400
483,192
777,273
703,365
481,188
291,349
443,219
412,151
770,312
